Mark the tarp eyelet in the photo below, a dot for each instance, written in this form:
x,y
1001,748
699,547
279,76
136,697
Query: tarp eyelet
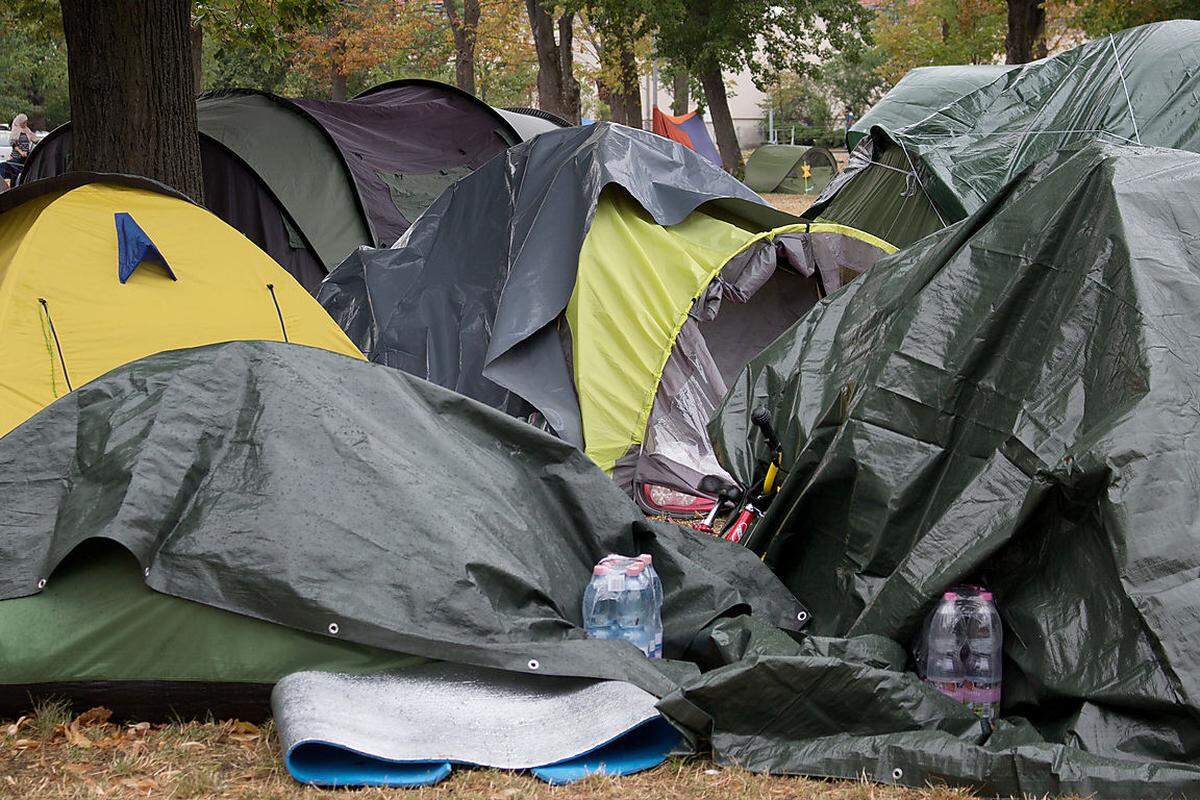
x,y
897,774
333,629
146,572
533,663
42,583
802,616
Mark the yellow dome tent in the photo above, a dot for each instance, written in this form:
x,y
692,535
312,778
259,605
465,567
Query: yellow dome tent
x,y
99,270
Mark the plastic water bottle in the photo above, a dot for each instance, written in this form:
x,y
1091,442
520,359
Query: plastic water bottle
x,y
943,659
634,608
656,610
983,656
600,601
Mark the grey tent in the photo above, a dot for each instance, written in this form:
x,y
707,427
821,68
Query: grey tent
x,y
608,281
311,180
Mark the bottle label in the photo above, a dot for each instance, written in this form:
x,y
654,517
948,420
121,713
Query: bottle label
x,y
949,688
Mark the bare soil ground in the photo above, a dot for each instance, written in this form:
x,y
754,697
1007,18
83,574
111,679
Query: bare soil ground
x,y
792,203
51,756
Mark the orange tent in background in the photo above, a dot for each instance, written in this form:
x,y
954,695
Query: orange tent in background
x,y
688,130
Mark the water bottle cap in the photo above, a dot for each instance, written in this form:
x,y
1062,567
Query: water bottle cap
x,y
634,569
600,569
985,596
646,559
950,596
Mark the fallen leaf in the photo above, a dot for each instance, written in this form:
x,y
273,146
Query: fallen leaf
x,y
142,785
93,716
75,736
139,727
193,746
26,744
12,730
241,726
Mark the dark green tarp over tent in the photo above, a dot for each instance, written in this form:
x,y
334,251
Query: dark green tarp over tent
x,y
921,92
306,489
1012,400
1139,86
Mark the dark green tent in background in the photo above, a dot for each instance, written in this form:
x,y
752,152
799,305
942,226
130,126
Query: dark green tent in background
x,y
1012,401
780,168
920,93
1138,86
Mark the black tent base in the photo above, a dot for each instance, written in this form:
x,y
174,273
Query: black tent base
x,y
144,701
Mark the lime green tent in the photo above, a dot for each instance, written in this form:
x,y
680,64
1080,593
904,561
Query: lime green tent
x,y
603,281
790,169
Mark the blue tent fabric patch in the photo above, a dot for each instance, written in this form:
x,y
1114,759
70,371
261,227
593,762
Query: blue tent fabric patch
x,y
135,247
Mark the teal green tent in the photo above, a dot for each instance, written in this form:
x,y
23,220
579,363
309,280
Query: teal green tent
x,y
1138,86
790,169
920,93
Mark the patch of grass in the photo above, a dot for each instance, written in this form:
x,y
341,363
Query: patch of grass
x,y
91,758
48,716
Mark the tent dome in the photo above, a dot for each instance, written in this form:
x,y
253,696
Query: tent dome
x,y
98,270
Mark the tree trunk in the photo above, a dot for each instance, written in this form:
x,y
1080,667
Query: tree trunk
x,y
130,75
558,90
630,90
722,120
1026,39
679,92
465,28
337,80
198,54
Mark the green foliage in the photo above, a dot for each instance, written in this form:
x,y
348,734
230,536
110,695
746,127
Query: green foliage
x,y
33,71
802,104
853,79
918,33
764,36
1101,17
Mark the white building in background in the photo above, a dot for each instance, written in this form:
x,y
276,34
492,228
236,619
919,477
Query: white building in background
x,y
745,104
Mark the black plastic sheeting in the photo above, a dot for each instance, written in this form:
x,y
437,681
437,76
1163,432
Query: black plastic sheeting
x,y
1013,400
469,297
343,498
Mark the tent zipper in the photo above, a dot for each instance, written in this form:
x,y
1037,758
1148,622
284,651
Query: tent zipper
x,y
57,344
275,300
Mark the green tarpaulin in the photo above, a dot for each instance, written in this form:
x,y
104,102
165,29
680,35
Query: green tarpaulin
x,y
920,93
781,168
1139,86
1013,401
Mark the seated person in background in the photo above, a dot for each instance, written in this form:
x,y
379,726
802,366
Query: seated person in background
x,y
22,139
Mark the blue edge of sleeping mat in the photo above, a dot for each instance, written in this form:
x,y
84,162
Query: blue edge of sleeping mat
x,y
325,764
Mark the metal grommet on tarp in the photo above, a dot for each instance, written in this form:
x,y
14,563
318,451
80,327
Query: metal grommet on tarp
x,y
333,629
897,774
533,663
42,583
802,616
146,572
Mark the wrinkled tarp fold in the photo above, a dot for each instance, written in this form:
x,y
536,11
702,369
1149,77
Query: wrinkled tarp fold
x,y
1012,400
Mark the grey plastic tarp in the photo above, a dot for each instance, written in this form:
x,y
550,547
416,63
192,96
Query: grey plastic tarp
x,y
1012,400
469,296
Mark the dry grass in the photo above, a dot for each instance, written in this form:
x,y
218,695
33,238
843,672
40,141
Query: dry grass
x,y
792,203
54,757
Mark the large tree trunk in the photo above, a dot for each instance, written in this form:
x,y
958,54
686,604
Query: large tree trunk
x,y
1026,39
133,109
679,93
198,54
558,90
465,27
718,109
